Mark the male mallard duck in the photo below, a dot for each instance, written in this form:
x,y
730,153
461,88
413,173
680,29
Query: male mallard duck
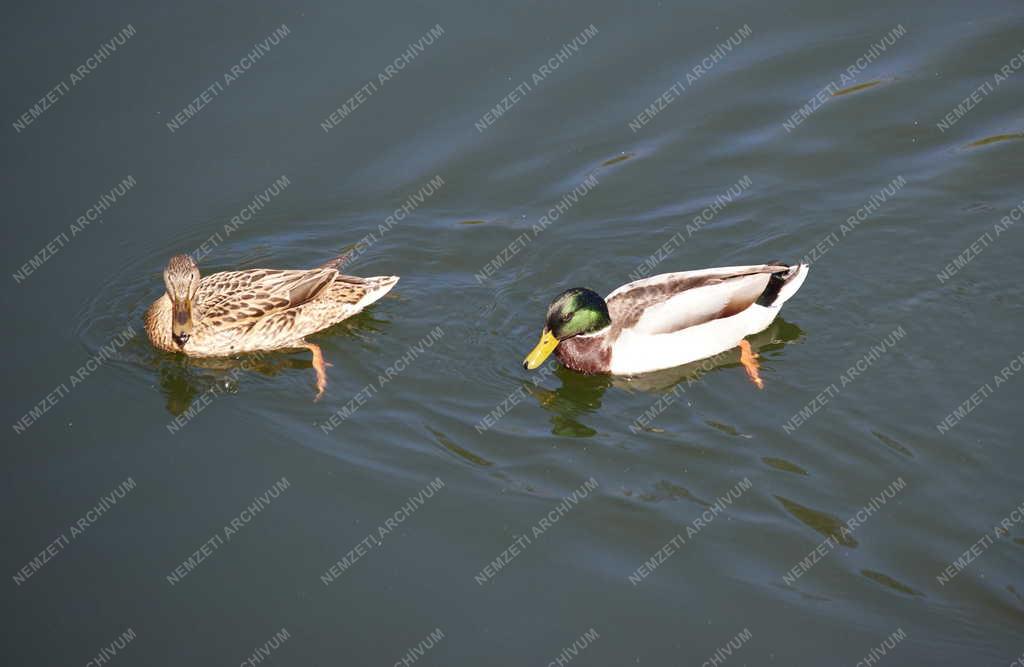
x,y
666,320
256,310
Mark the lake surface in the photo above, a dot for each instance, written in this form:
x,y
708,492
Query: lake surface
x,y
457,510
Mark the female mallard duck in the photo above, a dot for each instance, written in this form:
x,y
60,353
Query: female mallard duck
x,y
666,320
256,310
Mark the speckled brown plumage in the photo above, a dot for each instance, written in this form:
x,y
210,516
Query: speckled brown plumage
x,y
264,309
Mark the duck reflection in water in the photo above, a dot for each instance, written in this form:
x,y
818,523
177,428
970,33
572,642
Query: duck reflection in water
x,y
189,384
581,394
188,381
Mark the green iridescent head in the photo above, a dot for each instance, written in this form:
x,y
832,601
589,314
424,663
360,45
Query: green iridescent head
x,y
574,312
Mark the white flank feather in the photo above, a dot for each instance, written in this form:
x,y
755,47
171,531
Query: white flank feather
x,y
642,349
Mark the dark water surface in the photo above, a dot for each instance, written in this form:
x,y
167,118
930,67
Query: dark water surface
x,y
483,515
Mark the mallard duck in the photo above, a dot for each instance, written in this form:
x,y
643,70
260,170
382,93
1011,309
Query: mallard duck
x,y
258,310
666,320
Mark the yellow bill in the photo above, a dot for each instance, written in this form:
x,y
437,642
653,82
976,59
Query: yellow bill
x,y
544,348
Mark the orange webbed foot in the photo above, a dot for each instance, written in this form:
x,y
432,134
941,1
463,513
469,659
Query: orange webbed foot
x,y
749,360
320,366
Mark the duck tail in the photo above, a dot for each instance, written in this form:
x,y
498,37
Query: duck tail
x,y
783,284
376,287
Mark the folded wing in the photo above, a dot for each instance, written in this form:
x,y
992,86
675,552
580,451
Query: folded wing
x,y
674,301
243,298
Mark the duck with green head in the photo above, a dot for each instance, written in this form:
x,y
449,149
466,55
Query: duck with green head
x,y
666,320
573,317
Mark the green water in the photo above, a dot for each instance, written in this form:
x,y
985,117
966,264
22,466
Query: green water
x,y
457,509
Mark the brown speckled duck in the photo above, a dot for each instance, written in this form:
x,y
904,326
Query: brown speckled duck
x,y
235,312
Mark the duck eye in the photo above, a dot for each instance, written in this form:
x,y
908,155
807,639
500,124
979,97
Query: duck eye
x,y
566,317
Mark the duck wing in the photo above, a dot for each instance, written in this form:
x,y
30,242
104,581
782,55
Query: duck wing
x,y
674,301
243,298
